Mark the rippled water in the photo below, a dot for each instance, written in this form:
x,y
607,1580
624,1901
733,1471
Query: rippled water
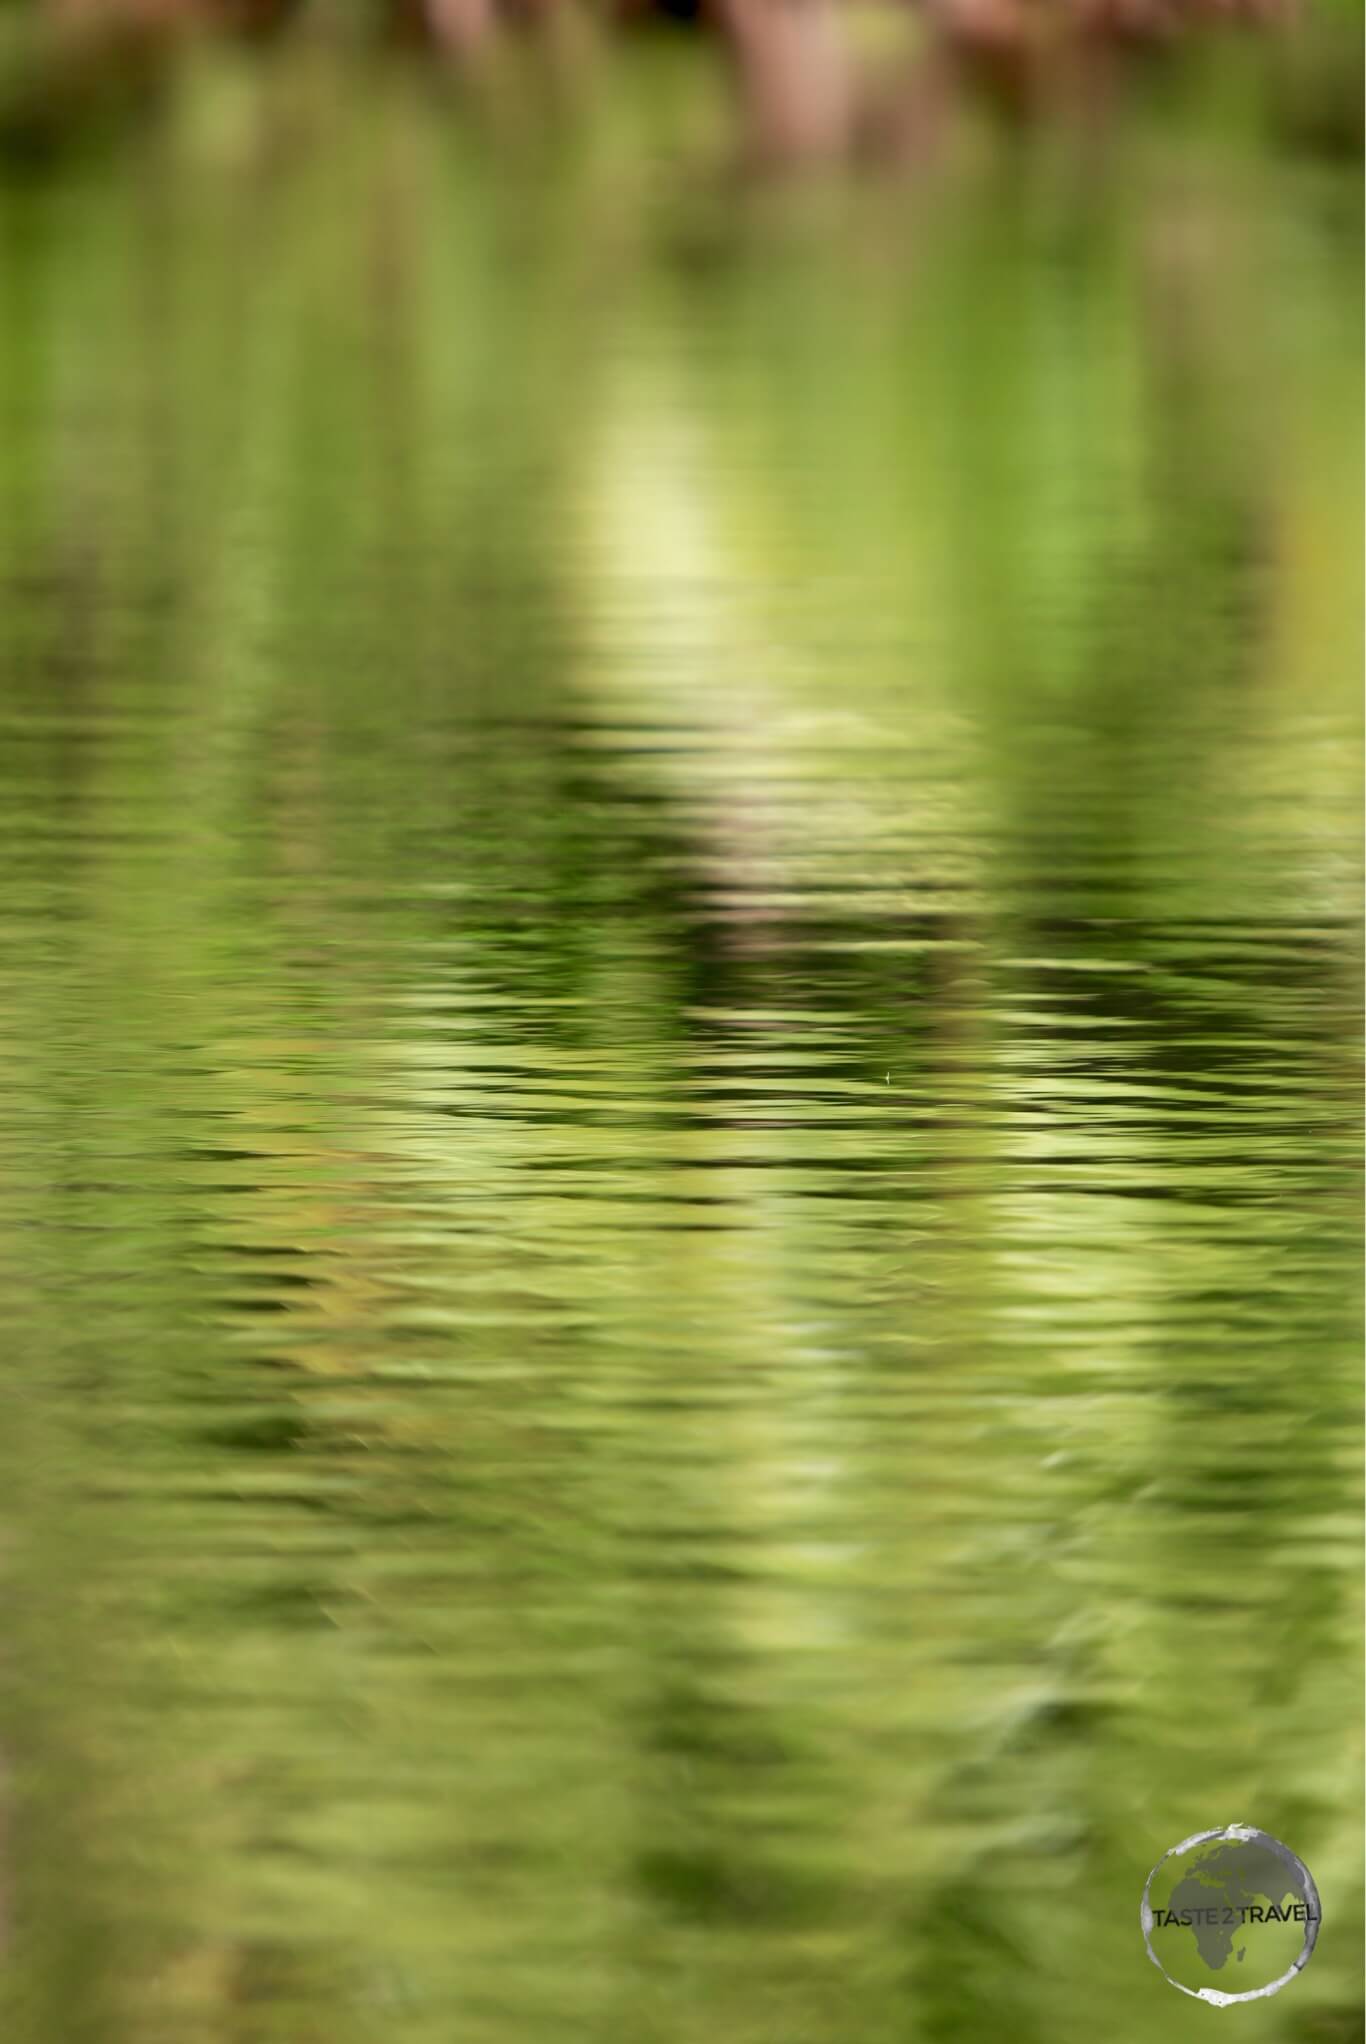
x,y
677,1083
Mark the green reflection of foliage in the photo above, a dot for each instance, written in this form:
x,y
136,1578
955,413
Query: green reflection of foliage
x,y
560,1611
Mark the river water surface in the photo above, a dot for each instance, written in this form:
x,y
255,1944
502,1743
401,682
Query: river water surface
x,y
677,1097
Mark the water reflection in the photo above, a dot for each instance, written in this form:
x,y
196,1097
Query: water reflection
x,y
676,1127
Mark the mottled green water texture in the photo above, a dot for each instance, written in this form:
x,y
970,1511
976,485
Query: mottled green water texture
x,y
678,1096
